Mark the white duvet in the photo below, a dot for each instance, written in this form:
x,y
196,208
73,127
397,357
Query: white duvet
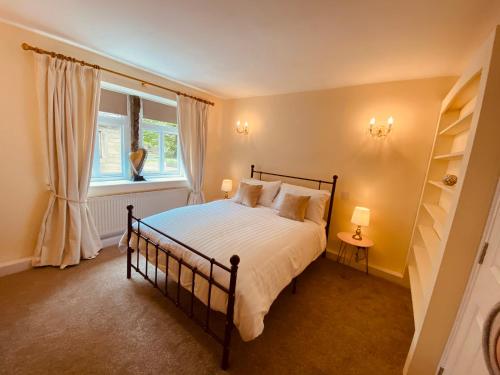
x,y
272,250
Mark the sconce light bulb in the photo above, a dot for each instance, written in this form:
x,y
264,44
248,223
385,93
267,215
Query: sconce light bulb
x,y
372,121
390,120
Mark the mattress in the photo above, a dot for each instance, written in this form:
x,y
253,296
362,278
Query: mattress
x,y
272,250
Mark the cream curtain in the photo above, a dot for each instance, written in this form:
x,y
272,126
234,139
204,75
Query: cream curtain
x,y
68,98
192,117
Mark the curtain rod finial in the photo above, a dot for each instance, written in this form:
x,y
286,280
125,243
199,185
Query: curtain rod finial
x,y
25,46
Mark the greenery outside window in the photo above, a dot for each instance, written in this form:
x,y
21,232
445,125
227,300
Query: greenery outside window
x,y
161,140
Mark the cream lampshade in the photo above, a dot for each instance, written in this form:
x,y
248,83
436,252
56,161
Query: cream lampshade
x,y
226,187
360,217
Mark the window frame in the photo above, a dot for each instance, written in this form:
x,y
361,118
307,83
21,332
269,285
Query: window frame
x,y
118,121
167,128
113,119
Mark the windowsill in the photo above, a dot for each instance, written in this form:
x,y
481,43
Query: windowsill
x,y
113,187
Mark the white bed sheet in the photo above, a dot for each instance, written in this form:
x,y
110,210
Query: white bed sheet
x,y
272,250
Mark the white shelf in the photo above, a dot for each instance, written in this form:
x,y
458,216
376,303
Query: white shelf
x,y
463,92
424,266
449,189
459,126
431,241
417,295
437,213
450,156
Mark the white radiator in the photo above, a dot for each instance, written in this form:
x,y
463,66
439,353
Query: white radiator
x,y
110,212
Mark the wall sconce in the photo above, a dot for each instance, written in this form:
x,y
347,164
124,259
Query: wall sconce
x,y
381,130
241,129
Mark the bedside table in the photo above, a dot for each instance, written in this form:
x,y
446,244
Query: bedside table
x,y
360,245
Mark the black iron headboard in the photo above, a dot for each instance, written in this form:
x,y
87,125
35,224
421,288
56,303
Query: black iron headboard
x,y
333,182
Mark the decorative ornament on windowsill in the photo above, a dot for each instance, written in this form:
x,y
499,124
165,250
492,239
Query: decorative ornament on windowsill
x,y
360,217
226,187
137,160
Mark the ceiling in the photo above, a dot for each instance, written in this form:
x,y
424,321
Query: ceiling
x,y
235,48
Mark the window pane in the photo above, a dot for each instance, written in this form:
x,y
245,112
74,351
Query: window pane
x,y
110,147
148,121
170,153
151,142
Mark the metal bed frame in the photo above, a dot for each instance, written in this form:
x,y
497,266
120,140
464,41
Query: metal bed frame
x,y
225,340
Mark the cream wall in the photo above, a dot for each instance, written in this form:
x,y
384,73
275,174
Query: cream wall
x,y
23,194
321,133
313,134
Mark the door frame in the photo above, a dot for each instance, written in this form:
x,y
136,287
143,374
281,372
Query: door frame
x,y
494,209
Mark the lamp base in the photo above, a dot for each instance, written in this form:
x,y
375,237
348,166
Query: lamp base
x,y
226,195
357,235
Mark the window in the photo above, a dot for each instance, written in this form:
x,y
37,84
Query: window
x,y
158,134
161,139
110,147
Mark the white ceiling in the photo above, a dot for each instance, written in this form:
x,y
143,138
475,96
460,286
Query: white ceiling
x,y
238,48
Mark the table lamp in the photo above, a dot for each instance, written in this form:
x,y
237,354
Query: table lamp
x,y
360,217
227,186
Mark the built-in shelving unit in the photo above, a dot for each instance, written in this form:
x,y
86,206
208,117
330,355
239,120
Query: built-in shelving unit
x,y
451,147
446,232
448,153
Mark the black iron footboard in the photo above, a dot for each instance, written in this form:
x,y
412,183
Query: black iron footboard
x,y
175,298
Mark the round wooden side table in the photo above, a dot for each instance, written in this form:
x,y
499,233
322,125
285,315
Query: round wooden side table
x,y
360,245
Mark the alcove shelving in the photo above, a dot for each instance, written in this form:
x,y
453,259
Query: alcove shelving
x,y
450,148
450,219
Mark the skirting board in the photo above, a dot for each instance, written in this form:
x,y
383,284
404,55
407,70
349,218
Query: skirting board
x,y
111,241
383,273
14,266
23,264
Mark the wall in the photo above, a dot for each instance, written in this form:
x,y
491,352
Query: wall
x,y
312,134
23,192
321,133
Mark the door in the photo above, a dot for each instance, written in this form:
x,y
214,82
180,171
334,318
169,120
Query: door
x,y
464,350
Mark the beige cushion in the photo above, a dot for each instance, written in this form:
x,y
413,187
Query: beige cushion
x,y
248,194
269,190
316,206
294,206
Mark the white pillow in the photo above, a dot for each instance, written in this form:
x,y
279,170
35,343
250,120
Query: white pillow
x,y
268,193
315,208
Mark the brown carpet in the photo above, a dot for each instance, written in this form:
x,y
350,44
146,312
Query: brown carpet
x,y
91,320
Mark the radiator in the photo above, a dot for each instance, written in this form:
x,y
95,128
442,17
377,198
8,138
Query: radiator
x,y
110,212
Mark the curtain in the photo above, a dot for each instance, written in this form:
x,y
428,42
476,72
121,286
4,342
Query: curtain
x,y
192,117
68,100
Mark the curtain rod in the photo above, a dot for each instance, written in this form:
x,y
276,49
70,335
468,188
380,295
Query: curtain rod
x,y
27,47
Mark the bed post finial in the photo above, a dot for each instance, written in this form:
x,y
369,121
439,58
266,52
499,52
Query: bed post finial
x,y
252,168
235,260
130,209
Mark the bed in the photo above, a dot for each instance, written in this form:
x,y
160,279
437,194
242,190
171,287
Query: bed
x,y
234,259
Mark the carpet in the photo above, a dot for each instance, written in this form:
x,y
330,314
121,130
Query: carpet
x,y
90,319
